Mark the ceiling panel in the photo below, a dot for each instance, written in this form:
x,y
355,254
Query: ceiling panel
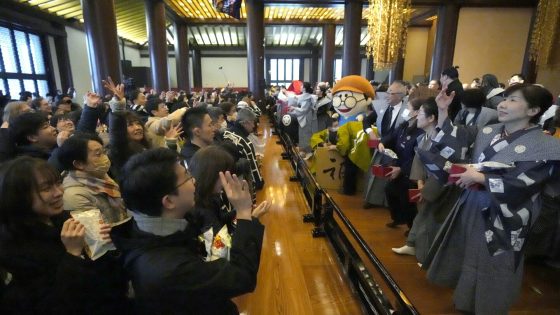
x,y
131,21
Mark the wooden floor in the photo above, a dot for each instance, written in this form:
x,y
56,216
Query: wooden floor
x,y
300,274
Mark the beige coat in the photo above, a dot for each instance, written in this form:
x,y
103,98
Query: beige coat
x,y
157,126
79,197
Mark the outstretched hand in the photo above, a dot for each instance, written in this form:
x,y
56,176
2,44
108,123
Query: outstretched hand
x,y
174,131
238,194
117,90
443,100
92,99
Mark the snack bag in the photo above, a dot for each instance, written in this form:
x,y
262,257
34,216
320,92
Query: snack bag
x,y
95,245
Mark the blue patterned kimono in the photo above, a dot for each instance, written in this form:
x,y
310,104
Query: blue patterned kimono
x,y
478,250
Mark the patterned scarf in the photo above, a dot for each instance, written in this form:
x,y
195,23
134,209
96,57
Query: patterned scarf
x,y
99,185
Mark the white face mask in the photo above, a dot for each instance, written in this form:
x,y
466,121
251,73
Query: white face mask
x,y
405,114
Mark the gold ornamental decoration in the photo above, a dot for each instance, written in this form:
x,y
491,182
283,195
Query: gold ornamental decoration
x,y
545,31
387,30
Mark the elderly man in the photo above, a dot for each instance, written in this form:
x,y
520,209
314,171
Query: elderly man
x,y
388,120
239,135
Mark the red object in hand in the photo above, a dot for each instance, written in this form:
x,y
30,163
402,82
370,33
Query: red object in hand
x,y
414,195
381,171
455,170
373,143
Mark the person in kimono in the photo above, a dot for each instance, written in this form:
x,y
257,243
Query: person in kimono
x,y
436,201
306,115
473,112
479,248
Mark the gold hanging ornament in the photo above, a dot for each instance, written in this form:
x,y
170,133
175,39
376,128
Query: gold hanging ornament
x,y
545,31
387,30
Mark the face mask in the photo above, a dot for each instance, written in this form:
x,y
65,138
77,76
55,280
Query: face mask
x,y
223,126
100,167
405,114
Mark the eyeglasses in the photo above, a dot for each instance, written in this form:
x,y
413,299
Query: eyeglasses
x,y
188,176
398,93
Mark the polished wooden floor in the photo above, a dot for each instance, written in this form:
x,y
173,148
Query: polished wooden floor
x,y
300,274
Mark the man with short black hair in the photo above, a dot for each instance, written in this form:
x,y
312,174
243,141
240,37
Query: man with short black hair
x,y
32,135
199,131
161,251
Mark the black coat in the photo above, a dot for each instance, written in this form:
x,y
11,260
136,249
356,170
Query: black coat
x,y
169,275
403,141
48,280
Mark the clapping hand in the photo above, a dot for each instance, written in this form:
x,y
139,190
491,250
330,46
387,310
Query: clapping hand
x,y
117,90
238,194
261,209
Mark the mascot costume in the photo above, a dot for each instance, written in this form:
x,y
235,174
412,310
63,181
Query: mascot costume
x,y
351,97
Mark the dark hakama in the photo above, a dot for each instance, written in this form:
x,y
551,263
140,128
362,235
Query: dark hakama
x,y
478,250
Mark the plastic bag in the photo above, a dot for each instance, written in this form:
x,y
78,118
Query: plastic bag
x,y
96,246
217,246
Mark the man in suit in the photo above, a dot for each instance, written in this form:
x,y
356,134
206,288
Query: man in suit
x,y
388,119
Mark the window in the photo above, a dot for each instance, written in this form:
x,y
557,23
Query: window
x,y
22,63
337,69
284,71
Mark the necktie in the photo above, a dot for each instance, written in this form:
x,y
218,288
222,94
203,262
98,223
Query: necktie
x,y
386,122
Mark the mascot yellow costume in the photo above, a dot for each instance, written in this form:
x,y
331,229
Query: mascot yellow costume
x,y
351,97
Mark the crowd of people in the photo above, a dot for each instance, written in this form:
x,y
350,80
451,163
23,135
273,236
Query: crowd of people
x,y
130,203
170,180
479,161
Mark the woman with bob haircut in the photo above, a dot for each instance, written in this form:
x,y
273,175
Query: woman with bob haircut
x,y
42,249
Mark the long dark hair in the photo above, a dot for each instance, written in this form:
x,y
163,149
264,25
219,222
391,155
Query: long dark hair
x,y
205,166
18,183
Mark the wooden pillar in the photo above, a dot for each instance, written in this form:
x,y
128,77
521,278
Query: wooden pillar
x,y
351,61
327,65
197,69
397,71
182,56
314,75
255,48
157,44
63,59
370,73
446,32
529,67
103,46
